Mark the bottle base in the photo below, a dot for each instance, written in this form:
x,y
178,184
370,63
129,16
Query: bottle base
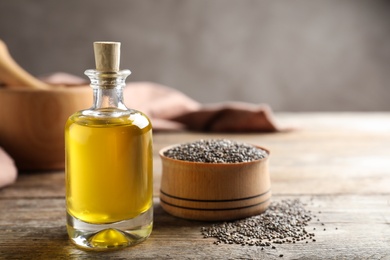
x,y
110,236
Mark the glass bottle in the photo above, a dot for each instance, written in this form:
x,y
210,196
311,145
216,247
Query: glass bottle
x,y
109,168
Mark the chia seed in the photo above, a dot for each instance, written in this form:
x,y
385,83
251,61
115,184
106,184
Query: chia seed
x,y
283,222
216,151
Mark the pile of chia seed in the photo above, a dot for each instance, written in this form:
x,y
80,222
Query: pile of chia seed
x,y
283,222
216,151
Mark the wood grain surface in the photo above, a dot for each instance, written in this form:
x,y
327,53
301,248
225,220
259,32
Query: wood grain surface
x,y
337,163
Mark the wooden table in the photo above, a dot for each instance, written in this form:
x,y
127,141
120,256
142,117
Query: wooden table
x,y
339,162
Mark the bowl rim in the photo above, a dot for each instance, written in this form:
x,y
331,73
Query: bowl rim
x,y
163,157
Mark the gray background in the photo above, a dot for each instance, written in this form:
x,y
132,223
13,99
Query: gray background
x,y
303,55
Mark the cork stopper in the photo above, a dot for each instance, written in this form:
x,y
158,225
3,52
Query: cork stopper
x,y
107,56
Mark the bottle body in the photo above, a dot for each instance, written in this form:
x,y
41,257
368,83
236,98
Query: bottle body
x,y
109,168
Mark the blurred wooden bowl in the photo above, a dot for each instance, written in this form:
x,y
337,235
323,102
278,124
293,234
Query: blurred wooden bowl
x,y
32,123
214,191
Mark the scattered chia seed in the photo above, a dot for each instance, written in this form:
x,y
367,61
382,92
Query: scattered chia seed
x,y
283,222
216,151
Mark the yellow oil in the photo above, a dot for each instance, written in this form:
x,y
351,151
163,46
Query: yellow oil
x,y
108,167
109,238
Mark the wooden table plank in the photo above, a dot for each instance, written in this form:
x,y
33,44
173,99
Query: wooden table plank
x,y
339,163
35,229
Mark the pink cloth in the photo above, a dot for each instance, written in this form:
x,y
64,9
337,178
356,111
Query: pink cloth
x,y
8,169
170,109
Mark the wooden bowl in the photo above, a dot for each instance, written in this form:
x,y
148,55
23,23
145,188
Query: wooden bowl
x,y
32,124
214,191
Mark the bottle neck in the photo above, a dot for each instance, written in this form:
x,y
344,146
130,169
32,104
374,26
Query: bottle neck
x,y
108,88
108,98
